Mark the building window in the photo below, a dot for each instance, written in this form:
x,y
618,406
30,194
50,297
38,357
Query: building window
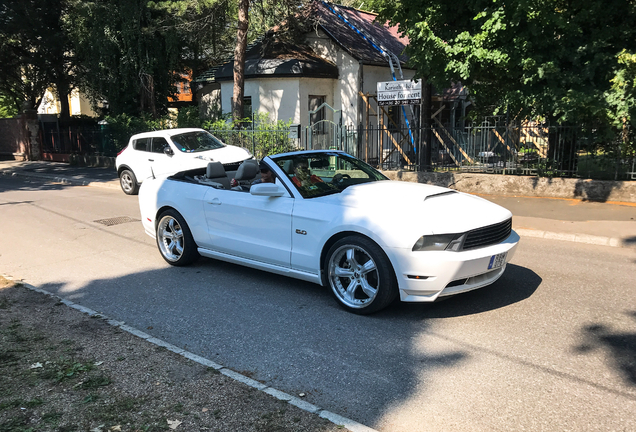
x,y
319,116
247,107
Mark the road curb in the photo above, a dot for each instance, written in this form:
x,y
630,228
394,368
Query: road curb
x,y
63,180
336,419
572,237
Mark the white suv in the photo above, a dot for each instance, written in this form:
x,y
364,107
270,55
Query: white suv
x,y
170,151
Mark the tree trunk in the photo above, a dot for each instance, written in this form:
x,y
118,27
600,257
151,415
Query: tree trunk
x,y
63,91
239,60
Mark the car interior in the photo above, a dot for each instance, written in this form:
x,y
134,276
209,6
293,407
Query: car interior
x,y
245,175
216,176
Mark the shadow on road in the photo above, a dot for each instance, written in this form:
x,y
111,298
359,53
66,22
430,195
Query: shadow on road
x,y
291,334
516,284
11,183
620,347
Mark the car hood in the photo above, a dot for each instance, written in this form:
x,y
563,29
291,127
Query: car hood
x,y
226,155
415,207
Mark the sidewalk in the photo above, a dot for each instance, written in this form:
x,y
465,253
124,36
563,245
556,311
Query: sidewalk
x,y
607,223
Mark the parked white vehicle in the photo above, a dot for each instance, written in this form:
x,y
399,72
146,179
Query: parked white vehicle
x,y
333,220
169,151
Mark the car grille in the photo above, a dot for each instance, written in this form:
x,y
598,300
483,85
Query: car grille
x,y
489,235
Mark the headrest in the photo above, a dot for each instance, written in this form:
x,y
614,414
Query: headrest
x,y
215,170
247,170
288,166
319,163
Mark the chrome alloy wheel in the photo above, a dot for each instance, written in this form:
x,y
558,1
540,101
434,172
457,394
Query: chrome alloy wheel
x,y
127,182
170,238
353,276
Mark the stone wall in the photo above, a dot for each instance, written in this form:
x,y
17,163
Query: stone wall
x,y
512,185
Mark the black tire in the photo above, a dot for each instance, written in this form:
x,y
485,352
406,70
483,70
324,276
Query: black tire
x,y
360,275
174,239
128,182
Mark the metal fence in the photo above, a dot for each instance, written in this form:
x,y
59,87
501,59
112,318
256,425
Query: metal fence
x,y
259,142
534,150
529,149
82,140
524,150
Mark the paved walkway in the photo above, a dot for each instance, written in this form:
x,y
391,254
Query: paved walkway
x,y
601,223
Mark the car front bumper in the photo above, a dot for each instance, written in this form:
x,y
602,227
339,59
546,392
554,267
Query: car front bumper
x,y
424,276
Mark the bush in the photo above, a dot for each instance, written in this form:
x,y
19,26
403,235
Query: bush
x,y
260,135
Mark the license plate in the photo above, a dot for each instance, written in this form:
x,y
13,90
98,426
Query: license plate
x,y
497,261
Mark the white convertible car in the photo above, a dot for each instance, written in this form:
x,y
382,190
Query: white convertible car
x,y
331,219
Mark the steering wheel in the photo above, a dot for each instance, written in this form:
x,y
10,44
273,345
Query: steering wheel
x,y
339,178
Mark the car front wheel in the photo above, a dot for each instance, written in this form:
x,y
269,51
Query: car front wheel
x,y
175,240
360,275
128,182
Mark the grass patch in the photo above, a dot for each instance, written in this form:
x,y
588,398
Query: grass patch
x,y
65,369
95,382
93,397
34,402
15,424
51,417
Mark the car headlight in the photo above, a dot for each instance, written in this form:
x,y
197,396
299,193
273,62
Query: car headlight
x,y
452,242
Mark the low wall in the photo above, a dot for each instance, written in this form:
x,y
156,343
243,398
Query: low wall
x,y
512,185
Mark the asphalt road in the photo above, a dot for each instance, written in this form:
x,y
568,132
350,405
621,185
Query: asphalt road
x,y
550,346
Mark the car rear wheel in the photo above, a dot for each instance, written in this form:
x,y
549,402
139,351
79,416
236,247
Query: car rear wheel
x,y
128,182
175,240
360,275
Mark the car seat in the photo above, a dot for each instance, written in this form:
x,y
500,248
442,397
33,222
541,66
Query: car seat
x,y
288,166
246,172
215,176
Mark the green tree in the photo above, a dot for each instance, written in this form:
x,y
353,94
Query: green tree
x,y
34,52
536,58
7,107
622,95
129,52
206,28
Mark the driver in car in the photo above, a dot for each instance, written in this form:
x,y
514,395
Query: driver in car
x,y
303,178
267,176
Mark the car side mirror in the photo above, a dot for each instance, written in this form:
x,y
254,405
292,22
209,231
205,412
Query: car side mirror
x,y
267,189
167,150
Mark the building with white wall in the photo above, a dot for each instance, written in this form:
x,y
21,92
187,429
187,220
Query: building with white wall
x,y
336,62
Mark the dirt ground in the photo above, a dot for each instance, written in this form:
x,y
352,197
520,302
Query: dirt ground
x,y
63,371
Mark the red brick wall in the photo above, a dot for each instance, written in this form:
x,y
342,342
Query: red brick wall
x,y
12,142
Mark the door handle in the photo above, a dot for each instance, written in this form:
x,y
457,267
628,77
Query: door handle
x,y
151,160
215,201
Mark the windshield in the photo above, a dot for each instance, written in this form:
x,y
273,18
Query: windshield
x,y
198,141
324,173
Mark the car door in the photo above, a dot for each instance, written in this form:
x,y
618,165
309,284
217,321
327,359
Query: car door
x,y
160,162
139,161
249,226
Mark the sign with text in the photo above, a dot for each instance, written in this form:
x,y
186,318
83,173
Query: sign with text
x,y
405,92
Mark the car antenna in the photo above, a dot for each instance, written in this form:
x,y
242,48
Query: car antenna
x,y
152,172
